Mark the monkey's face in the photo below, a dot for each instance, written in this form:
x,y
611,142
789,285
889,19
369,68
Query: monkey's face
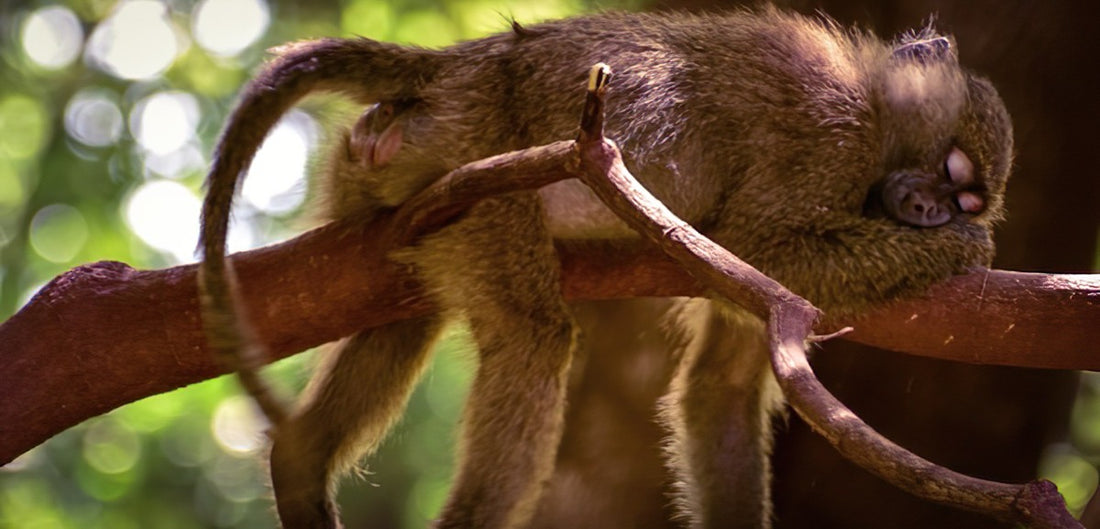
x,y
930,199
948,143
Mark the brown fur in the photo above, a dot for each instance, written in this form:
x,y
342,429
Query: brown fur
x,y
765,130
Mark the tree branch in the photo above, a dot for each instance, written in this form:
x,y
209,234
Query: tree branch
x,y
103,335
789,320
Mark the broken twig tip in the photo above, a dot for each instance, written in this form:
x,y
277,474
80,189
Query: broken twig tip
x,y
819,338
598,77
592,117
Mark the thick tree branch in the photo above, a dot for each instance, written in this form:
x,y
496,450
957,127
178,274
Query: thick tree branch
x,y
789,320
104,334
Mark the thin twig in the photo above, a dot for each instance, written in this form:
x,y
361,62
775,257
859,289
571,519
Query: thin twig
x,y
98,302
790,321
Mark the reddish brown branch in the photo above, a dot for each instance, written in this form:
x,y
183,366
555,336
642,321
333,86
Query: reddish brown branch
x,y
994,317
790,321
512,171
103,335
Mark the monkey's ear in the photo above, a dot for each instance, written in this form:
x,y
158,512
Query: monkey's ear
x,y
926,50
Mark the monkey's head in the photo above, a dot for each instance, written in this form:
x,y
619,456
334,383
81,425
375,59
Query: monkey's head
x,y
947,139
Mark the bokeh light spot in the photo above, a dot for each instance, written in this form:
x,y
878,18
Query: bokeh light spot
x,y
275,179
165,215
164,122
52,37
175,164
237,425
58,233
111,447
226,27
22,126
138,41
92,118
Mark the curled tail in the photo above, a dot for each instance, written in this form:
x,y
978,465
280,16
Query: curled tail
x,y
362,69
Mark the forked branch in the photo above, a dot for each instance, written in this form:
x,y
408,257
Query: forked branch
x,y
104,334
790,321
597,162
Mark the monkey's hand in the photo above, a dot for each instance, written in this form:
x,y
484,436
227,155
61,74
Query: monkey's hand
x,y
847,264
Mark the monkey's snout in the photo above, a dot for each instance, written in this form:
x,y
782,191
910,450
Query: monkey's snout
x,y
920,209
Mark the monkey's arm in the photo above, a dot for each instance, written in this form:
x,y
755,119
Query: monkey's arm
x,y
847,265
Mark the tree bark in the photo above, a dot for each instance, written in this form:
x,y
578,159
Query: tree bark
x,y
103,335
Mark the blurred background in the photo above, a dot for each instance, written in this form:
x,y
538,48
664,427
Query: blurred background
x,y
108,114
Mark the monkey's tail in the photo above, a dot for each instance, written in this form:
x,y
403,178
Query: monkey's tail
x,y
365,70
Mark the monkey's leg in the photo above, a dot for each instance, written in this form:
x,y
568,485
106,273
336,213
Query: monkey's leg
x,y
351,403
719,411
498,265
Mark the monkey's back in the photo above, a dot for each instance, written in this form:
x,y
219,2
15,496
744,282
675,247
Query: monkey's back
x,y
693,98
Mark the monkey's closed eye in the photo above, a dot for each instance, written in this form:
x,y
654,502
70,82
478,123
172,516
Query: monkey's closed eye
x,y
959,168
969,202
960,172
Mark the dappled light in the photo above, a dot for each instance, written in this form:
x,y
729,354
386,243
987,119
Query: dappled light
x,y
165,127
58,233
138,41
52,37
238,426
93,118
276,181
165,122
111,447
226,27
159,211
